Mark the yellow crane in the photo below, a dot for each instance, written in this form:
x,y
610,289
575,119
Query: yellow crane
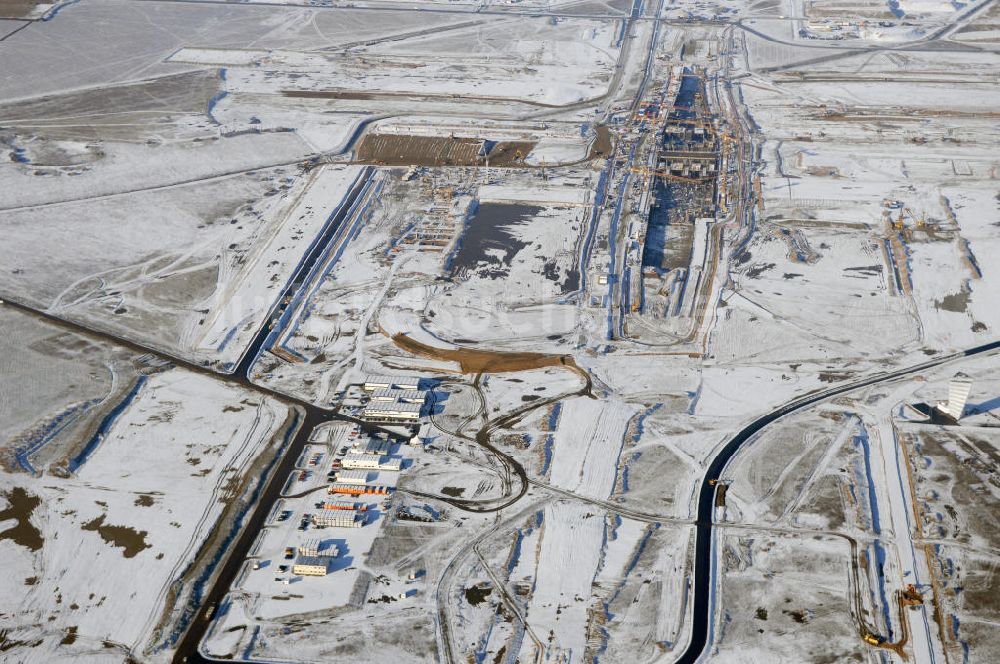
x,y
898,225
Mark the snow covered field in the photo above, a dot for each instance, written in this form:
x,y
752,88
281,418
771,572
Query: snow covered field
x,y
150,500
154,264
750,243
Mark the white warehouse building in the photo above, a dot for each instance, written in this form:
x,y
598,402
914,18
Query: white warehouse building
x,y
403,396
370,462
308,566
384,411
353,476
373,383
387,463
373,446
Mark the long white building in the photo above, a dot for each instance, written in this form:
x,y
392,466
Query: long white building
x,y
308,566
403,396
373,383
369,462
385,411
354,476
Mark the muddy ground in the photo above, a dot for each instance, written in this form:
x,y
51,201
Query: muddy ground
x,y
403,150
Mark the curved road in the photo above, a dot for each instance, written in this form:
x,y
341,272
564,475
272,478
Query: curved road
x,y
509,463
703,554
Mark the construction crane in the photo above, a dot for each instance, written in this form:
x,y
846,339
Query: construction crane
x,y
919,221
898,224
667,175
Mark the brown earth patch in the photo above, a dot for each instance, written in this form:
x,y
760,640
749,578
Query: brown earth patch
x,y
474,361
405,150
22,504
131,540
14,9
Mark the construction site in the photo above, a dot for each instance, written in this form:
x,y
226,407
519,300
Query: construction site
x,y
576,332
680,162
402,150
684,182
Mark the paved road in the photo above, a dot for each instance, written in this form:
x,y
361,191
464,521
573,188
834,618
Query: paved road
x,y
897,519
143,349
462,9
704,557
307,417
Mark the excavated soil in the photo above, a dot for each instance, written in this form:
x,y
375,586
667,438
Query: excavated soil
x,y
484,361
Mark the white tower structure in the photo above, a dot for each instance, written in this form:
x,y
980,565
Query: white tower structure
x,y
958,394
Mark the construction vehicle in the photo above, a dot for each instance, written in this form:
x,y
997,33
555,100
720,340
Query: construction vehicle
x,y
911,596
871,639
443,195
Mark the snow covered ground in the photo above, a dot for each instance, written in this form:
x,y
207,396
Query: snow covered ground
x,y
196,179
149,500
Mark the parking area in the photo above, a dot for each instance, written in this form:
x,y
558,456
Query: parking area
x,y
310,554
